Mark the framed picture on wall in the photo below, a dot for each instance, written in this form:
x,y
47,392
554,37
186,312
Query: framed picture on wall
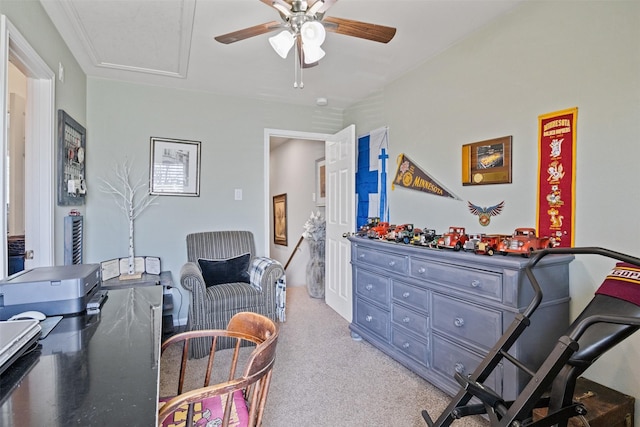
x,y
321,182
487,162
174,167
280,219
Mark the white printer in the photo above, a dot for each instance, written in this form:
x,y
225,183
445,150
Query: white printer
x,y
57,290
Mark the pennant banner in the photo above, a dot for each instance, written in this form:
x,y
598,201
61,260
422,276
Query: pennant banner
x,y
557,176
409,175
372,177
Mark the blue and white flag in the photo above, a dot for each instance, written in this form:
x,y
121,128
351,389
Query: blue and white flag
x,y
372,176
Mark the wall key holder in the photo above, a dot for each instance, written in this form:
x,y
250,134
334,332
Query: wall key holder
x,y
72,139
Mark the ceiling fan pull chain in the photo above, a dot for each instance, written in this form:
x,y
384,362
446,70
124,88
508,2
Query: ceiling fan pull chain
x,y
297,70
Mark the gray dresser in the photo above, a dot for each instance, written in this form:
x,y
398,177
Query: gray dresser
x,y
439,311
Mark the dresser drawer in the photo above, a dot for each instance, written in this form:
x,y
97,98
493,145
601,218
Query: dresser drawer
x,y
418,323
468,322
410,295
476,282
372,318
373,286
449,358
388,261
418,350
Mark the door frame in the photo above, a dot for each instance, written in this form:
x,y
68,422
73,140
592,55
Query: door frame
x,y
291,134
39,145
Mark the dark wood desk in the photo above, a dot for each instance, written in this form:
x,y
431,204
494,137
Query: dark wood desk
x,y
91,370
165,280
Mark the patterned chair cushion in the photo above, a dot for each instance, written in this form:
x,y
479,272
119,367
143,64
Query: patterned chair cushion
x,y
210,412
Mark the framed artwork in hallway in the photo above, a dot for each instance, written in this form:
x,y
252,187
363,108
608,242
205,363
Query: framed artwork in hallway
x,y
280,219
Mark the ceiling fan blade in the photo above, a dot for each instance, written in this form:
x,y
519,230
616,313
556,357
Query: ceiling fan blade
x,y
363,30
280,5
320,6
249,32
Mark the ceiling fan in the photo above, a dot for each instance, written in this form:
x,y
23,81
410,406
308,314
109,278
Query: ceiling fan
x,y
304,24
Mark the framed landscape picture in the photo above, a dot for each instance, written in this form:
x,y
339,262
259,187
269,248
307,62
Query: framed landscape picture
x,y
280,219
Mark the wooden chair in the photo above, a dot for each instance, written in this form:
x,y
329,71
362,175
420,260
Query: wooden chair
x,y
241,398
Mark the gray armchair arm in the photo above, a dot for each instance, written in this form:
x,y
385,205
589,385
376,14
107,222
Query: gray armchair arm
x,y
191,278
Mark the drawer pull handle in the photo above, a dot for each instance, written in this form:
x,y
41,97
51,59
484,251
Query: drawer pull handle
x,y
459,322
405,345
392,263
361,255
406,295
422,270
459,368
406,319
369,287
475,283
368,318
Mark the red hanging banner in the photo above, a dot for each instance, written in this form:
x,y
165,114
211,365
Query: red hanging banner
x,y
557,176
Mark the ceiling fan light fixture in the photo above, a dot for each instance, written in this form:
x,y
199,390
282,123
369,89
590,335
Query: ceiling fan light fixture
x,y
313,33
312,53
282,43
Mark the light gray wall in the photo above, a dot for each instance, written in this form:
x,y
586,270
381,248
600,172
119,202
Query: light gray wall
x,y
34,24
293,172
122,117
542,57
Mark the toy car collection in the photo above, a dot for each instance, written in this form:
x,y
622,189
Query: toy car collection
x,y
454,239
524,241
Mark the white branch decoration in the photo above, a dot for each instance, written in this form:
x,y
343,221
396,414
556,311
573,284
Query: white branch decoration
x,y
128,198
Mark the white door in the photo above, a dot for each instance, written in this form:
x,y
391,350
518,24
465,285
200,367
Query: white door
x,y
340,214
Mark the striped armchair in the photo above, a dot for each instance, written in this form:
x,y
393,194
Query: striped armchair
x,y
212,307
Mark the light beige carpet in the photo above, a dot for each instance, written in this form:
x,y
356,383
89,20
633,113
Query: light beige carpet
x,y
323,378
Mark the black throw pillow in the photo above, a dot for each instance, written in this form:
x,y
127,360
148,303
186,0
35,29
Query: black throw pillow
x,y
220,271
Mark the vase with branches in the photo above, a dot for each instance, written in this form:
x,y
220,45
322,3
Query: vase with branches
x,y
132,197
315,233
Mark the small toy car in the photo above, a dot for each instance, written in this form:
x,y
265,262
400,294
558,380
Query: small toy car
x,y
379,231
454,239
403,233
524,241
425,237
489,243
470,245
371,222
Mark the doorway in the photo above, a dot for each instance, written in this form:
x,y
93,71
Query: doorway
x,y
340,209
15,170
39,122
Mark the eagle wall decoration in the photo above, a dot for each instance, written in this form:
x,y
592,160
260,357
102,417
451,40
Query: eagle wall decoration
x,y
485,214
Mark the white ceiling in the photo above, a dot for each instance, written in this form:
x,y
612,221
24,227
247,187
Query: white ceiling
x,y
170,43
